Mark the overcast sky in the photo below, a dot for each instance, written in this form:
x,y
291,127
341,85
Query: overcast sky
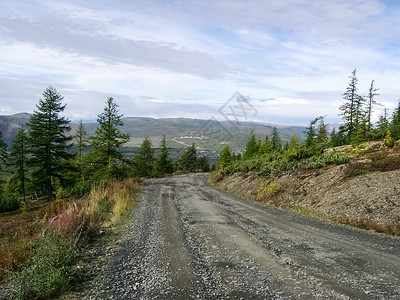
x,y
291,58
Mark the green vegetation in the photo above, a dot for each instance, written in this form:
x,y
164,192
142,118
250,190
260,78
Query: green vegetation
x,y
47,142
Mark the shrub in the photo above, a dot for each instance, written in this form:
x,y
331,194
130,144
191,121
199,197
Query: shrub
x,y
8,203
48,273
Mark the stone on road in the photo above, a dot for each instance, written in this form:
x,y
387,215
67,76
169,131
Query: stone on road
x,y
190,241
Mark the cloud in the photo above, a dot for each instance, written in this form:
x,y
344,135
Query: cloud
x,y
186,58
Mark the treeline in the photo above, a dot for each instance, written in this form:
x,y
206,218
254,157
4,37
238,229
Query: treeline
x,y
357,111
269,156
41,164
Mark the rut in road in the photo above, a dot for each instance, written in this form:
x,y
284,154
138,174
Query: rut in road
x,y
191,241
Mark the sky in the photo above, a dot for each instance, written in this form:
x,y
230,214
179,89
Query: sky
x,y
290,59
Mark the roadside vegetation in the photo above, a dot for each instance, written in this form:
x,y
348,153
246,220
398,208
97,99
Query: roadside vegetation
x,y
365,147
53,200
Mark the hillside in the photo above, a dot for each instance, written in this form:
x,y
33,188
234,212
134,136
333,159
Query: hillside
x,y
363,193
180,132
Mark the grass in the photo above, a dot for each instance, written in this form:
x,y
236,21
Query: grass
x,y
38,246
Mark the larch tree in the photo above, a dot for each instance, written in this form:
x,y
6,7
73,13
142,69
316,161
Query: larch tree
x,y
370,105
251,146
18,159
3,151
163,164
48,142
188,160
225,157
109,137
349,109
144,159
276,144
82,138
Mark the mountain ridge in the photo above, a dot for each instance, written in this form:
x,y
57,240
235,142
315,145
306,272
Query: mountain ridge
x,y
180,132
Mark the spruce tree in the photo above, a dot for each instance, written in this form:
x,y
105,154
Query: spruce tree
x,y
47,142
163,164
276,144
18,159
144,159
108,137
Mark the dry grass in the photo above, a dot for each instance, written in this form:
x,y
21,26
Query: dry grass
x,y
73,219
367,224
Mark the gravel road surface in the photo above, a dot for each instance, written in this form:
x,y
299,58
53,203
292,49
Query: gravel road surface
x,y
191,241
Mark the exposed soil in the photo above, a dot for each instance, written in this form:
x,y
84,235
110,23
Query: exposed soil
x,y
190,241
370,201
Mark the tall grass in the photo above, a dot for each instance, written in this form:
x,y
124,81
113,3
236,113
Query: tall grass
x,y
46,239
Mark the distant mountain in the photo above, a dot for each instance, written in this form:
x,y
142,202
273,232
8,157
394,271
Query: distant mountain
x,y
9,125
180,132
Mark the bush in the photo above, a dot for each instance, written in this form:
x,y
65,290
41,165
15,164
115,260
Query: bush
x,y
8,203
48,273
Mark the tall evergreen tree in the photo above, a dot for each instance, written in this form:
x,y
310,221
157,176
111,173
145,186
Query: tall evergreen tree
x,y
3,151
163,164
251,146
144,159
382,125
188,160
294,147
82,138
225,157
395,123
18,159
322,135
349,109
48,142
108,137
265,146
370,105
276,144
311,131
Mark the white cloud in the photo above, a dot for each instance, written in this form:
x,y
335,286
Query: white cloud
x,y
183,54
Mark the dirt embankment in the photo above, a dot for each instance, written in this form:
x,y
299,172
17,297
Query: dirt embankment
x,y
364,193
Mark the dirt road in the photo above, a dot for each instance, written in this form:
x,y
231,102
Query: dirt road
x,y
190,241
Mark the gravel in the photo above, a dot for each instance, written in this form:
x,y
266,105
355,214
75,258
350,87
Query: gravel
x,y
188,240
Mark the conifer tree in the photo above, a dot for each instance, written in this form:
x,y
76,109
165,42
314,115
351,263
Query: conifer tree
x,y
276,144
251,146
265,146
395,123
108,137
3,151
225,157
322,135
370,105
349,109
144,159
18,159
188,160
47,142
382,125
294,147
82,138
163,164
